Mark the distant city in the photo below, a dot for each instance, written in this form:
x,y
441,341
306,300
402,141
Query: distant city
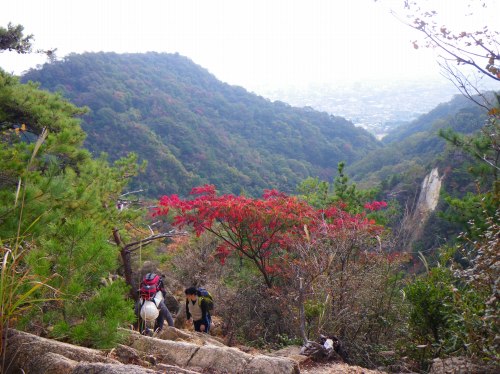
x,y
378,107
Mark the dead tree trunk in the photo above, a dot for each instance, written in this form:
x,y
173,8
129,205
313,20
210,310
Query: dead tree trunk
x,y
126,251
302,311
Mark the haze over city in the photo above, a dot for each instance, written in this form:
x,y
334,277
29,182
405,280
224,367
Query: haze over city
x,y
254,44
354,59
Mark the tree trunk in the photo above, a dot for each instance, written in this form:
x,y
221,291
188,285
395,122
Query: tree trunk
x,y
302,313
127,264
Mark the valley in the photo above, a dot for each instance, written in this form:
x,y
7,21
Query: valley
x,y
155,217
377,106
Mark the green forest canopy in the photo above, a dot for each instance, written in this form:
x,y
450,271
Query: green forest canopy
x,y
193,129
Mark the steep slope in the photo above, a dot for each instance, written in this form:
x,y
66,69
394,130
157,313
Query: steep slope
x,y
417,146
425,121
194,129
403,170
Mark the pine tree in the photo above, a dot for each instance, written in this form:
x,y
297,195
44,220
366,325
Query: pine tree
x,y
58,209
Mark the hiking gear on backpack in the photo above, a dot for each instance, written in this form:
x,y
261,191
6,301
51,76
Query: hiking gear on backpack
x,y
149,311
150,285
203,294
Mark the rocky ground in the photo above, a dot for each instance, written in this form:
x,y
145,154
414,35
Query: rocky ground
x,y
335,368
172,351
176,351
308,366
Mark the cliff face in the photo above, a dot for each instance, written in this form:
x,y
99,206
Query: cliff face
x,y
426,204
429,195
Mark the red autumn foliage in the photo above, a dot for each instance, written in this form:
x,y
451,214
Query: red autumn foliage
x,y
260,229
375,205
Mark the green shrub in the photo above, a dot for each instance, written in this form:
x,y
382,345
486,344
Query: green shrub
x,y
96,320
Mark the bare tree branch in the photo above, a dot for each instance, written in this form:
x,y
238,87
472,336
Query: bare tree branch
x,y
137,244
131,192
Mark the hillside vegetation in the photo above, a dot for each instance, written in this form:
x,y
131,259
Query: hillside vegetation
x,y
409,154
193,129
418,144
283,268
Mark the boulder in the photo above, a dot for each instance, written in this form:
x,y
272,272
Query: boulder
x,y
27,353
100,368
226,359
203,353
262,364
171,333
34,354
169,369
126,355
291,352
49,363
166,351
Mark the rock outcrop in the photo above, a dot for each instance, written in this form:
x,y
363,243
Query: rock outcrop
x,y
175,334
429,194
426,204
184,353
292,352
210,355
32,354
454,365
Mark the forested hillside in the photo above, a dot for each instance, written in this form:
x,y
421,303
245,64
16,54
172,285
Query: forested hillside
x,y
425,123
334,263
193,129
416,147
410,153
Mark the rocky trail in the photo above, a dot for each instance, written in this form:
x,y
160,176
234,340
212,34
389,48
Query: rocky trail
x,y
172,351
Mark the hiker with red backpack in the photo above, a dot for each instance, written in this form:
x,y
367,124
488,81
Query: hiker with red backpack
x,y
151,308
199,302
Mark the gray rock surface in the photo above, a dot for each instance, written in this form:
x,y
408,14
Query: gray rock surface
x,y
461,365
166,351
31,354
262,364
191,353
227,359
34,354
100,368
201,352
171,333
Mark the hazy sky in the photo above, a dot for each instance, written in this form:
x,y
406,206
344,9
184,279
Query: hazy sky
x,y
250,43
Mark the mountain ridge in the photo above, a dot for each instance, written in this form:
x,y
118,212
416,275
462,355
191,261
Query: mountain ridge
x,y
194,129
418,144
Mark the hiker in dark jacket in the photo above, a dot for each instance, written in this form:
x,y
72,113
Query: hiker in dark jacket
x,y
197,310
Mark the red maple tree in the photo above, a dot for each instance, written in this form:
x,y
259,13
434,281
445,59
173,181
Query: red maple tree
x,y
262,230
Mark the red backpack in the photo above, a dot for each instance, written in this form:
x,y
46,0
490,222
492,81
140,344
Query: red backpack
x,y
150,285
